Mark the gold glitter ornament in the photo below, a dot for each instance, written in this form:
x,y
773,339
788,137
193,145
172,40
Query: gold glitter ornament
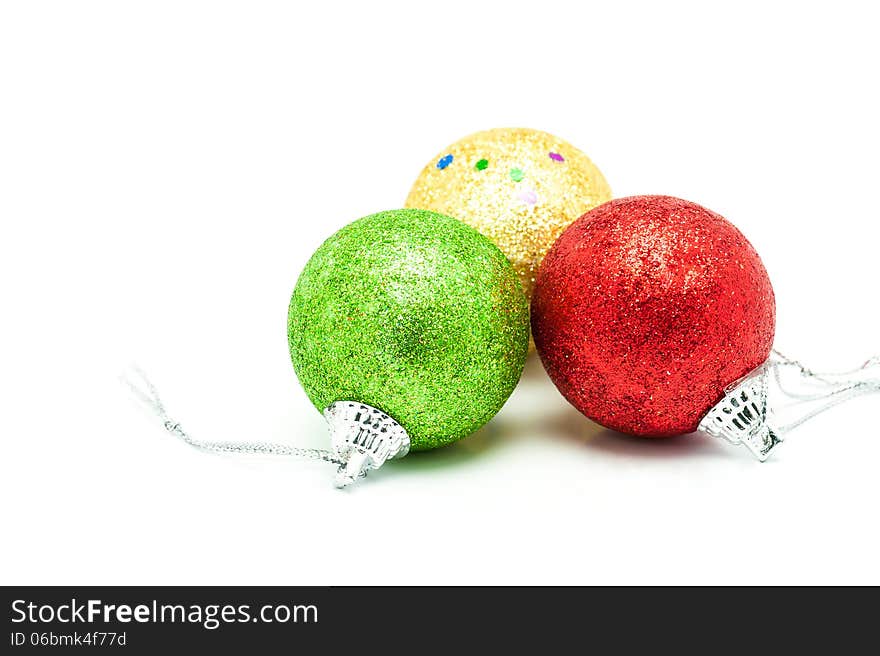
x,y
519,187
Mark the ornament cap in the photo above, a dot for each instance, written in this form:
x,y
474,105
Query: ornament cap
x,y
363,438
740,417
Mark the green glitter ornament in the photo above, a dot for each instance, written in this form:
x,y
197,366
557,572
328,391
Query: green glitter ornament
x,y
409,330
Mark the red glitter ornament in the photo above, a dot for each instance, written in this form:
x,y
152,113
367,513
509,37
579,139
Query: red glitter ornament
x,y
646,309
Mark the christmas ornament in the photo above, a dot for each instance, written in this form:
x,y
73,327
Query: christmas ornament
x,y
519,187
412,314
655,317
407,329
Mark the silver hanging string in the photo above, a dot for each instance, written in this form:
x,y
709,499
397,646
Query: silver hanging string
x,y
828,389
144,390
868,373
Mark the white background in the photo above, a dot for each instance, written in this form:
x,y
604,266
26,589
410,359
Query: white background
x,y
167,168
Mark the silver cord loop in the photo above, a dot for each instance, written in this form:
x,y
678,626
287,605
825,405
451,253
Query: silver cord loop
x,y
825,389
759,415
144,390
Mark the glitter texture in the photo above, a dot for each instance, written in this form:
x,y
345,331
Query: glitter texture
x,y
646,308
413,313
487,200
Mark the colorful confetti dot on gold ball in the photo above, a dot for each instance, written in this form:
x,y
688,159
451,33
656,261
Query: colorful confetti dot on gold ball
x,y
413,313
519,187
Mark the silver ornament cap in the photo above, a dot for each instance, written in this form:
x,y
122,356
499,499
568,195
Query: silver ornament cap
x,y
363,438
740,417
